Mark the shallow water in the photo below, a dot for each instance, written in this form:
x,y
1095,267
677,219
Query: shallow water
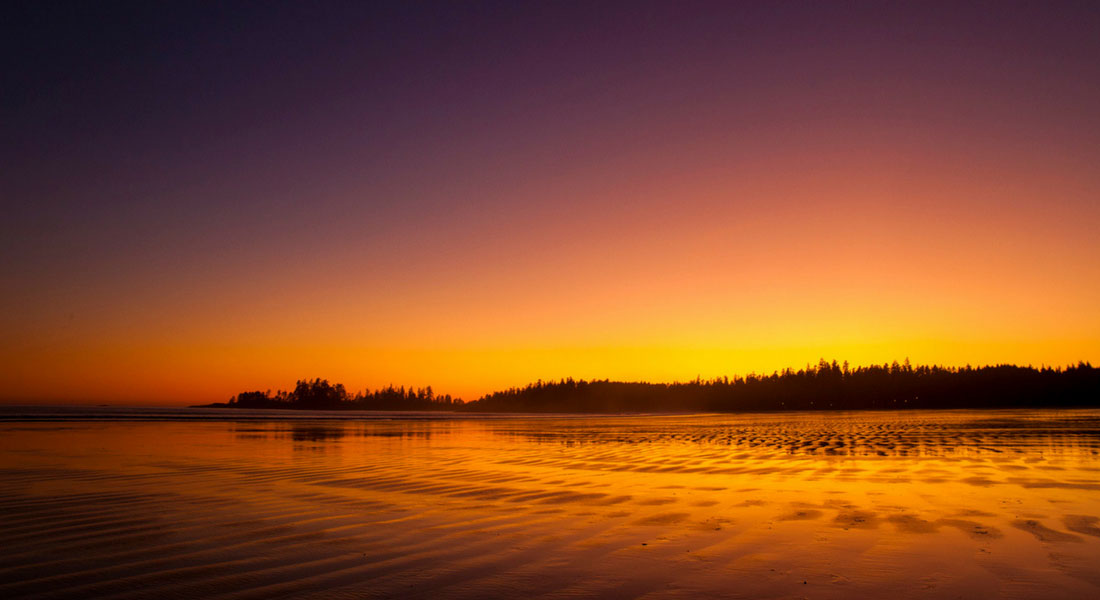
x,y
189,504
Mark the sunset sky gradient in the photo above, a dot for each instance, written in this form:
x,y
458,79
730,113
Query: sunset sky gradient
x,y
204,198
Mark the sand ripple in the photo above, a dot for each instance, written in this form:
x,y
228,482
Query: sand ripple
x,y
960,503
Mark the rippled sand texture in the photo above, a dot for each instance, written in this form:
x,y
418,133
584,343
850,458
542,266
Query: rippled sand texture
x,y
951,504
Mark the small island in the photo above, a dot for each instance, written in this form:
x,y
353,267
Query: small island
x,y
825,386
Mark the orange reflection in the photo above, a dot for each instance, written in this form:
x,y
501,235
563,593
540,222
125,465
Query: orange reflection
x,y
837,505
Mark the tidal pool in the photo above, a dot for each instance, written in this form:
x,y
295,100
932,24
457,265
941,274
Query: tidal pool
x,y
202,504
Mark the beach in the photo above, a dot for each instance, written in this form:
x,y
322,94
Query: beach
x,y
110,503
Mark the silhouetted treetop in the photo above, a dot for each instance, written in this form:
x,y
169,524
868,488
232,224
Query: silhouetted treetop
x,y
825,386
319,394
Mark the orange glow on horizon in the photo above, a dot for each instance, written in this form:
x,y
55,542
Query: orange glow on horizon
x,y
614,229
178,377
646,292
651,292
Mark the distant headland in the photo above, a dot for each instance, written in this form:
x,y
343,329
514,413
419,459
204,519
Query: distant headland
x,y
825,386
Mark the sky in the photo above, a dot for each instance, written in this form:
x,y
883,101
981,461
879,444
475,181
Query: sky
x,y
205,198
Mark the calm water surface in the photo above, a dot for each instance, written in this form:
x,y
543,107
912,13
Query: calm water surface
x,y
197,504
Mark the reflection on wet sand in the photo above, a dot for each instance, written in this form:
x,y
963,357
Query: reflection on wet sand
x,y
945,504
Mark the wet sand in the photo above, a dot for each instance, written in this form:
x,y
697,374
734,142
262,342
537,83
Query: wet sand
x,y
923,505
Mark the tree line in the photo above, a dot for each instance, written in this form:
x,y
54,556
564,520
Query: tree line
x,y
319,394
825,386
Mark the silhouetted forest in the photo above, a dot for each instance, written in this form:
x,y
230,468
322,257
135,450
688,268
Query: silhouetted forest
x,y
826,386
319,394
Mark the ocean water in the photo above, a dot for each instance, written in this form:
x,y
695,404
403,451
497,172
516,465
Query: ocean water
x,y
192,503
